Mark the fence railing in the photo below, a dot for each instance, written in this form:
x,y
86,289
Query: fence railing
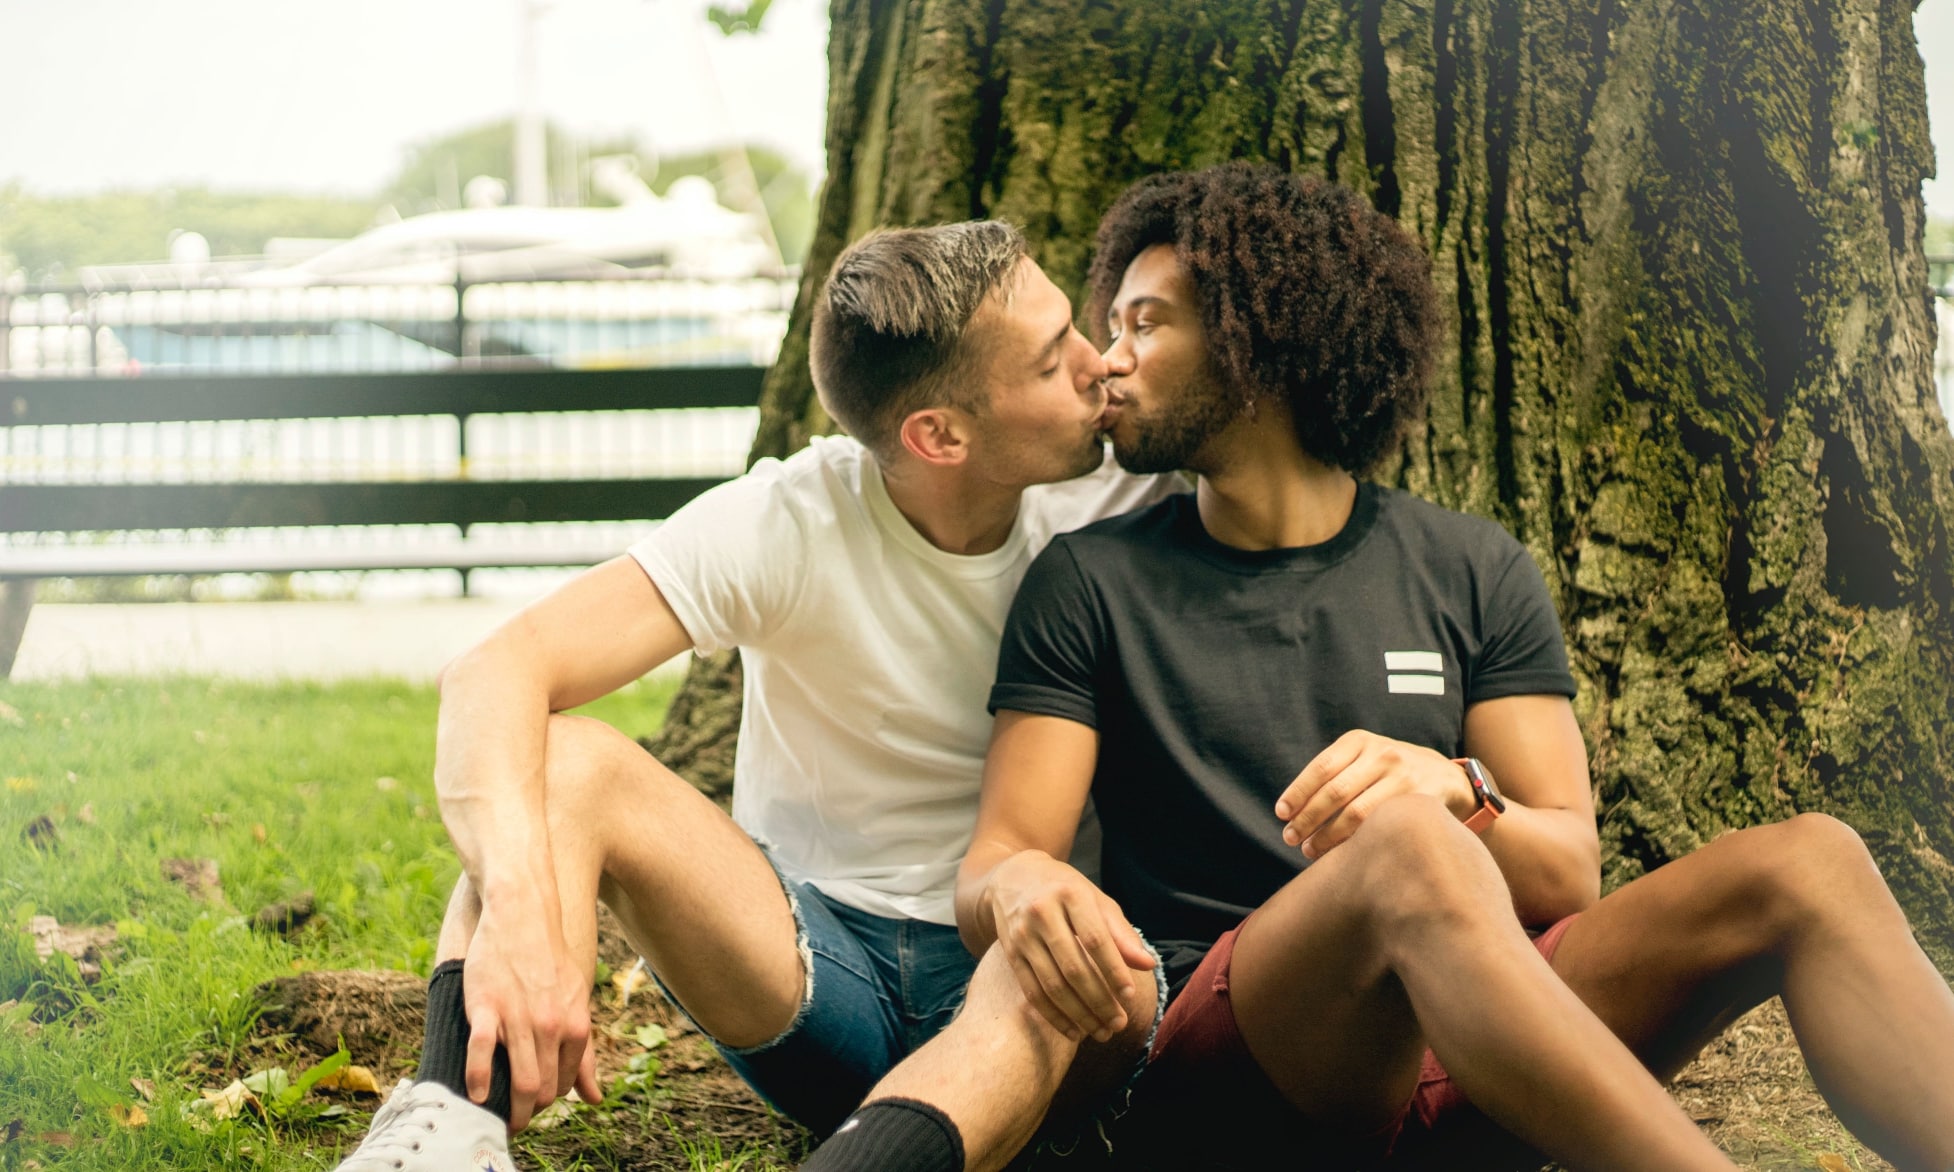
x,y
636,319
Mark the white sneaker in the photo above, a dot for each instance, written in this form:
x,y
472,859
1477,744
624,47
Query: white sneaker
x,y
425,1127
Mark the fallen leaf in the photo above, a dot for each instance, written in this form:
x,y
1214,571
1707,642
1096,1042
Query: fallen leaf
x,y
129,1115
41,834
59,1139
385,784
145,1088
85,944
229,1102
651,1035
356,1080
1833,1162
258,831
86,815
22,785
629,981
196,876
552,1115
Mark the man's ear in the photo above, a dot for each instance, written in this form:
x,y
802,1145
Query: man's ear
x,y
936,435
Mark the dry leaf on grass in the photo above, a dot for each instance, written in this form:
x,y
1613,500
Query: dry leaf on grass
x,y
145,1088
196,876
85,944
356,1080
85,815
128,1114
552,1115
629,981
227,1103
1833,1162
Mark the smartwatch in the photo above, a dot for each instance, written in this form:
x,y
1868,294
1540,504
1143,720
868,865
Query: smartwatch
x,y
1491,805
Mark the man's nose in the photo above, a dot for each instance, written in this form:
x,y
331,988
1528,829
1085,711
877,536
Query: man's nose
x,y
1093,369
1118,359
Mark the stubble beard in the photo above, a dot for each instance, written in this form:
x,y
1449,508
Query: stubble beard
x,y
1167,442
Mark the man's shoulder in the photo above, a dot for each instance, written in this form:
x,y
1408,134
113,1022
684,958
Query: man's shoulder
x,y
1449,533
810,482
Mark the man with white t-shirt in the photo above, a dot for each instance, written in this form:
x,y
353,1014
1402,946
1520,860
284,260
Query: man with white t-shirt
x,y
812,934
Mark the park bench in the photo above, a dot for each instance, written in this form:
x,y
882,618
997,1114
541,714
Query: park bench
x,y
31,512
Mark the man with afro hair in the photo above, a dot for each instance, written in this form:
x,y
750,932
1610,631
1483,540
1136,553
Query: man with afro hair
x,y
1327,729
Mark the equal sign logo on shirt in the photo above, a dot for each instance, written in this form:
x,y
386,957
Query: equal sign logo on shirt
x,y
1415,673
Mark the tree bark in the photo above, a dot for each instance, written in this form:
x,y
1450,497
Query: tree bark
x,y
1690,341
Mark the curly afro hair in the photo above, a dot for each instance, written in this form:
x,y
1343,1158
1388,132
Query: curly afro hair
x,y
1307,292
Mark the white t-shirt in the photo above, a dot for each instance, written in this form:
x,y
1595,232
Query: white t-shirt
x,y
868,654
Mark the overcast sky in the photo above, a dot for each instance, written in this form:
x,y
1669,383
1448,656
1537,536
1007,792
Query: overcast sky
x,y
310,95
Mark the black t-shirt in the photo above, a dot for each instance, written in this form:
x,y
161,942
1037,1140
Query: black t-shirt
x,y
1214,675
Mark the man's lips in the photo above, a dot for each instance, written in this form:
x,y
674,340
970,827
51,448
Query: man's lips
x,y
1111,409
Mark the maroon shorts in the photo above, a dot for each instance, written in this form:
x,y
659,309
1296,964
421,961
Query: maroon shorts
x,y
1200,1069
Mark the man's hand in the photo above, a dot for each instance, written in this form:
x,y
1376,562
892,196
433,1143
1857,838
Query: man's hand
x,y
1069,944
523,989
1360,771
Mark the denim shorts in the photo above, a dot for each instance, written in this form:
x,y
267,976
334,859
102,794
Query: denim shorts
x,y
877,988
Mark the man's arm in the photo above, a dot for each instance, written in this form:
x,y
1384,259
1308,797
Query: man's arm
x,y
598,632
1545,843
1068,944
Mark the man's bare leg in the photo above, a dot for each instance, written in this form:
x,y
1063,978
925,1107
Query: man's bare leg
x,y
1000,1065
695,895
1796,909
1404,936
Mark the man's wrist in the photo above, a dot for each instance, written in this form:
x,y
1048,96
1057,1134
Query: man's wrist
x,y
1487,804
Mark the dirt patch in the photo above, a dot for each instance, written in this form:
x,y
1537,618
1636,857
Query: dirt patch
x,y
694,1103
378,1014
1749,1091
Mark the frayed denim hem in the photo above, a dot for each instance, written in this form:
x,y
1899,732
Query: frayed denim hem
x,y
1120,1101
801,947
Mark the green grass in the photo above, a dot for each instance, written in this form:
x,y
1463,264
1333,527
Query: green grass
x,y
290,788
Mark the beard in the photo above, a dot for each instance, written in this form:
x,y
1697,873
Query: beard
x,y
1167,440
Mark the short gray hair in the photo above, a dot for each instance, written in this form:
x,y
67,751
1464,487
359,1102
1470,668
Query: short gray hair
x,y
890,324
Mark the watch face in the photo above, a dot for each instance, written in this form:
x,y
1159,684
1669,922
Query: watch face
x,y
1482,784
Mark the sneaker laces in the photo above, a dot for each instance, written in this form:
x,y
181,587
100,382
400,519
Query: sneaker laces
x,y
396,1132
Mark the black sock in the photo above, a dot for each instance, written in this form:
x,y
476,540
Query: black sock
x,y
892,1135
444,1050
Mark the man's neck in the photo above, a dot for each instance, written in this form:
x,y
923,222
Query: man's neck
x,y
955,512
1268,492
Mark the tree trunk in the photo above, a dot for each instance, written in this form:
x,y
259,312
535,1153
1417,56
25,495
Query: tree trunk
x,y
1689,350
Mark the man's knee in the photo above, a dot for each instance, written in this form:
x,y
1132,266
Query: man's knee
x,y
1420,867
581,759
1808,868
